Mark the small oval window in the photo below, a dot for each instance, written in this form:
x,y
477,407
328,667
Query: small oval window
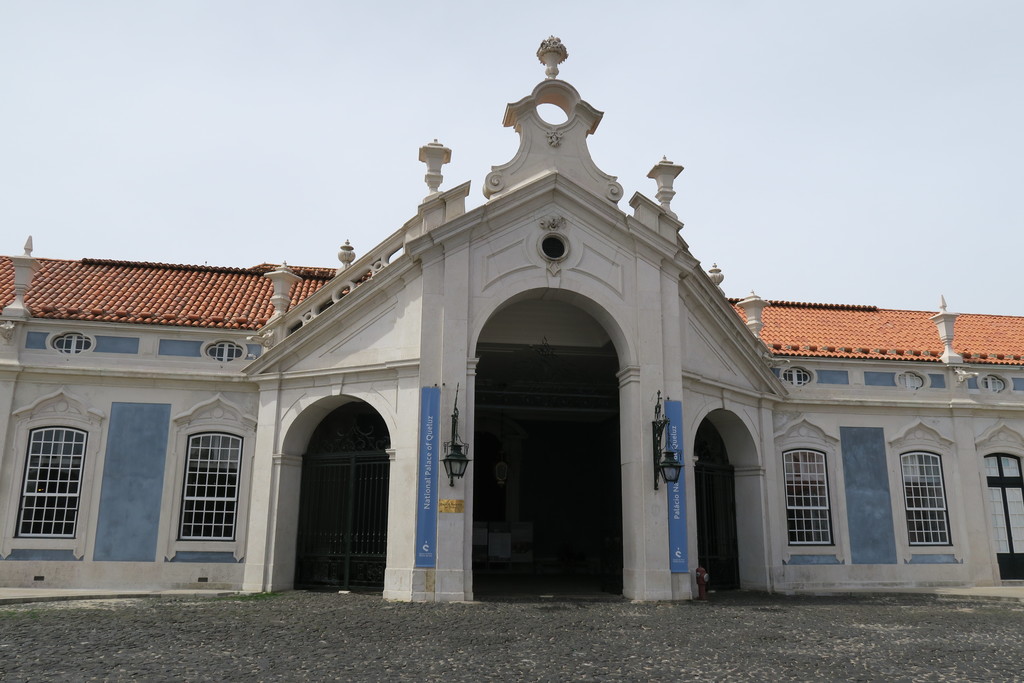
x,y
992,383
910,380
224,351
72,342
796,377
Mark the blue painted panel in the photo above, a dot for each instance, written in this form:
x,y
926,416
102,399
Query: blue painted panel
x,y
938,381
204,556
868,504
833,377
430,442
117,344
678,561
255,350
1018,383
879,379
814,559
180,347
972,383
933,559
37,555
133,482
36,340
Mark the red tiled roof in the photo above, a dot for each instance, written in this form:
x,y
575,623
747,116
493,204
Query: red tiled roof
x,y
841,331
155,293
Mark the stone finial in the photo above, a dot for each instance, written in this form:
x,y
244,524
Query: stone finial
x,y
752,306
25,268
715,275
665,173
346,254
946,322
283,279
434,155
551,53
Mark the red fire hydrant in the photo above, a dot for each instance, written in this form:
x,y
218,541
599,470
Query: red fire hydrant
x,y
702,583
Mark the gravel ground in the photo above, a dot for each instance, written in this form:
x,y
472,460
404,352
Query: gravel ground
x,y
330,636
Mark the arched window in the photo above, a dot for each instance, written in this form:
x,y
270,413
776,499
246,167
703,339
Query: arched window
x,y
925,498
53,481
808,514
210,499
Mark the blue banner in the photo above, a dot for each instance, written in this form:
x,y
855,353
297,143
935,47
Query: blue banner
x,y
426,511
676,492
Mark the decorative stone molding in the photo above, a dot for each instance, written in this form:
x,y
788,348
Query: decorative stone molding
x,y
805,433
63,404
216,411
999,438
552,223
546,148
918,435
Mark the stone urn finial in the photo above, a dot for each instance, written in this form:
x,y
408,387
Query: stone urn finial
x,y
434,155
346,254
715,275
552,53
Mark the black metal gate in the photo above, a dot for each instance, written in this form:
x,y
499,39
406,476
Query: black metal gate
x,y
343,509
715,486
1006,496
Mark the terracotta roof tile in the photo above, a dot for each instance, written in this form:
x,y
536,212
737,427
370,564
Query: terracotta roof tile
x,y
844,331
155,293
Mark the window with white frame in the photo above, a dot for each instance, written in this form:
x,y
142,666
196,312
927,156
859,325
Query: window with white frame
x,y
53,481
993,383
808,515
909,380
796,377
210,501
925,498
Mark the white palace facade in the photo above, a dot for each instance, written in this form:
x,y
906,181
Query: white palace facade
x,y
259,429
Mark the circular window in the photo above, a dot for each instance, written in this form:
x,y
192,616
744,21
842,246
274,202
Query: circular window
x,y
553,247
72,342
795,376
909,380
224,351
992,383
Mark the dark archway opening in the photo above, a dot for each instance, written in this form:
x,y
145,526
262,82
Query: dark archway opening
x,y
343,504
547,502
715,487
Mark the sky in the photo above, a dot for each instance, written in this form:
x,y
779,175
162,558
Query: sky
x,y
864,152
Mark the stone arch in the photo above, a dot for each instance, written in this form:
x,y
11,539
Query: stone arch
x,y
748,506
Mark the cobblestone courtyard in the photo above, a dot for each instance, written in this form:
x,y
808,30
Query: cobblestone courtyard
x,y
322,636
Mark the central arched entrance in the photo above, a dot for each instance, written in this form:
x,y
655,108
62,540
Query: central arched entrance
x,y
343,504
547,502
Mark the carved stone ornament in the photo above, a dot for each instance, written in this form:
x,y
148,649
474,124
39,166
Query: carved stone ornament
x,y
806,433
551,53
554,138
7,331
265,338
552,223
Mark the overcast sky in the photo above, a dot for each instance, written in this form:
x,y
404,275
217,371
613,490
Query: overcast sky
x,y
867,152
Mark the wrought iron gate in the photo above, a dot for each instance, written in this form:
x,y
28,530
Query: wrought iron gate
x,y
715,487
343,507
343,514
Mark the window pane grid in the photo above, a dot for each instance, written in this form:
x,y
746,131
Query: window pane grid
x,y
925,497
53,475
211,487
808,516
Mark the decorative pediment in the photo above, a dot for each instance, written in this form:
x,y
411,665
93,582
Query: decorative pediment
x,y
216,411
61,405
804,433
920,435
1000,437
